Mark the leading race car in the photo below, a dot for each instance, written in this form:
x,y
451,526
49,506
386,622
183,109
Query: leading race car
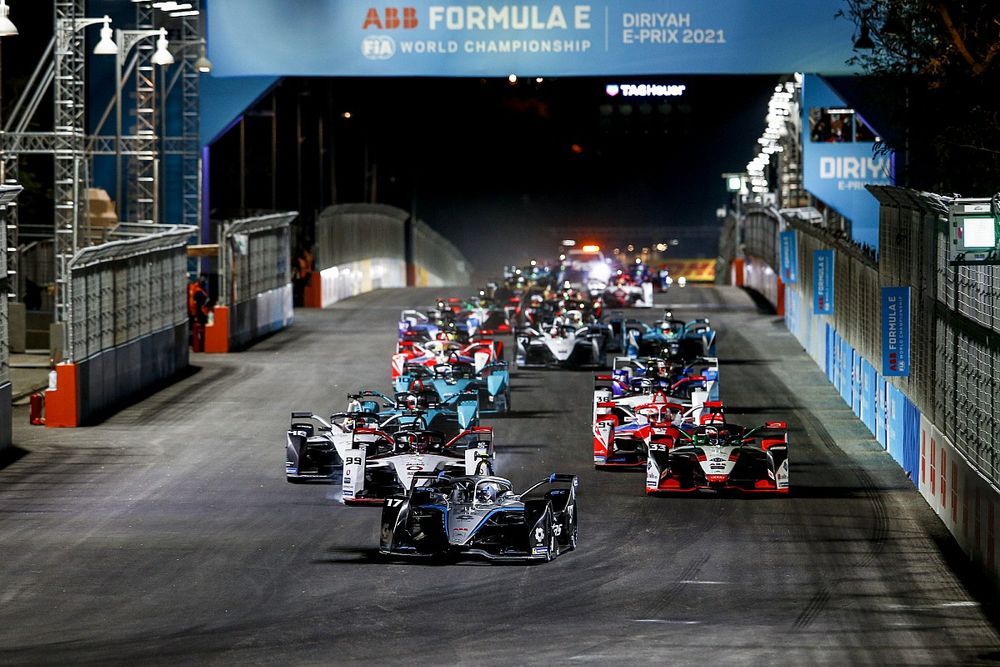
x,y
481,516
720,456
379,465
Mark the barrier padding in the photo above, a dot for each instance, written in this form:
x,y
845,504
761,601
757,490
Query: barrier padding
x,y
6,392
61,404
88,390
217,333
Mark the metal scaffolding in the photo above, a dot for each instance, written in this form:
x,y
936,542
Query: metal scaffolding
x,y
63,67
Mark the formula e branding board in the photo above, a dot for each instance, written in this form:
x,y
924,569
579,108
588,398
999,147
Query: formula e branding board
x,y
789,257
822,282
895,331
529,38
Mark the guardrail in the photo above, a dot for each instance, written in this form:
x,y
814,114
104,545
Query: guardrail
x,y
941,421
127,327
255,281
362,247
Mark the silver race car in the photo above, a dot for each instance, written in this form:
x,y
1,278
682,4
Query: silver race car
x,y
481,516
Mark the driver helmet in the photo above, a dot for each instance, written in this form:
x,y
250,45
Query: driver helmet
x,y
349,423
486,493
411,401
400,446
536,300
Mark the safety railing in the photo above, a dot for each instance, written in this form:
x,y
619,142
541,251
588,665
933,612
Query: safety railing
x,y
361,247
127,325
255,279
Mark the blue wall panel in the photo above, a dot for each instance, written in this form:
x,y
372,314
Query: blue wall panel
x,y
868,395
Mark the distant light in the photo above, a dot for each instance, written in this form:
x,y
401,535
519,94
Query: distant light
x,y
638,260
591,248
191,12
576,148
682,281
630,247
346,114
661,247
668,281
562,258
539,79
734,183
534,263
512,78
569,243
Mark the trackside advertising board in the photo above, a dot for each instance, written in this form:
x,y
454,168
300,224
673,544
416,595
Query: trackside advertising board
x,y
838,158
789,257
896,331
823,282
535,38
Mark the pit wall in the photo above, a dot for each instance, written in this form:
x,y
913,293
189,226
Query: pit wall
x,y
951,380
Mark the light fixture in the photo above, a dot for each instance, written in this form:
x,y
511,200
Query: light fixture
x,y
203,64
162,55
512,78
107,46
7,27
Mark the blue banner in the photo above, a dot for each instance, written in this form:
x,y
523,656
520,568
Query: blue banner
x,y
895,331
539,38
823,282
789,257
838,159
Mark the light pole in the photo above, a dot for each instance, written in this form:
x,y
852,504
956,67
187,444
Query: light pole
x,y
127,39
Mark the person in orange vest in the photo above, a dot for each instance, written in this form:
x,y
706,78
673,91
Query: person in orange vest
x,y
301,274
198,310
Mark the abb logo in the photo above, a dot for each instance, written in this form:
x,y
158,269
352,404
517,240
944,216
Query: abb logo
x,y
390,18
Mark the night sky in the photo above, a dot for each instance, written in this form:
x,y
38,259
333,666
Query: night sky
x,y
501,168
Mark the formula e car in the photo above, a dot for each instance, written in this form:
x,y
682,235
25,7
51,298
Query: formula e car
x,y
379,465
451,380
458,413
481,516
720,456
430,353
564,345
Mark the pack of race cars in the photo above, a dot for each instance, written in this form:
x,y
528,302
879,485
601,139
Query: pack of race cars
x,y
422,454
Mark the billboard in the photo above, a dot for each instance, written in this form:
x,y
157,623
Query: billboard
x,y
838,159
789,257
896,331
823,282
541,38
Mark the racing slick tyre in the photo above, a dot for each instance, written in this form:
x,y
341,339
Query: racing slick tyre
x,y
572,529
550,531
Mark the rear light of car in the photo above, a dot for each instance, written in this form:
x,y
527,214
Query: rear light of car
x,y
717,478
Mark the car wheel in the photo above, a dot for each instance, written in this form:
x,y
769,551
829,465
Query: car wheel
x,y
551,533
573,530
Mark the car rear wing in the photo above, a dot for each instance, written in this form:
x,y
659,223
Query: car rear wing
x,y
554,478
311,417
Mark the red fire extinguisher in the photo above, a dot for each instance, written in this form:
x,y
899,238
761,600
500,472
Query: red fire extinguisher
x,y
37,409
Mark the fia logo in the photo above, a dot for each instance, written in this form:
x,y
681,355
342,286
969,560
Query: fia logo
x,y
378,47
611,89
390,19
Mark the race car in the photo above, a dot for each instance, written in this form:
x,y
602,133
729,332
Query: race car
x,y
450,380
720,456
567,345
481,516
433,352
379,465
696,380
436,325
458,413
625,292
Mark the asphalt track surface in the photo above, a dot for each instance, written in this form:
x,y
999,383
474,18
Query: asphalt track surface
x,y
168,534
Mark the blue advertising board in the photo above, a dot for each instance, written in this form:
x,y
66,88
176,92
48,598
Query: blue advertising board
x,y
823,282
839,160
789,257
895,331
540,38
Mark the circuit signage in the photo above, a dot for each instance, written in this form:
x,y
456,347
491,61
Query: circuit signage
x,y
823,264
528,38
896,331
789,257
